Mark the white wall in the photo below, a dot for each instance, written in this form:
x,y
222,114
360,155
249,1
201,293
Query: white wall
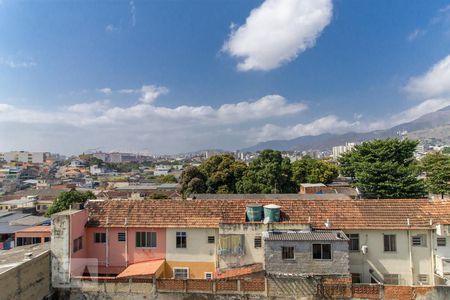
x,y
398,262
198,249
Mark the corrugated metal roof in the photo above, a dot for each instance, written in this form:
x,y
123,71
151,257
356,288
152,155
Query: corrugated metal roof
x,y
317,235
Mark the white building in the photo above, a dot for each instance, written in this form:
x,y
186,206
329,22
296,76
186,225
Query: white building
x,y
23,157
339,150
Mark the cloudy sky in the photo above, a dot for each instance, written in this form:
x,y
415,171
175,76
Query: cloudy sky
x,y
176,76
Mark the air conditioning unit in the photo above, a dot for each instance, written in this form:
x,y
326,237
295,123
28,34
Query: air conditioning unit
x,y
364,249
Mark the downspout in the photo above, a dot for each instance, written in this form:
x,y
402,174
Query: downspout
x,y
126,242
70,243
107,242
410,253
433,262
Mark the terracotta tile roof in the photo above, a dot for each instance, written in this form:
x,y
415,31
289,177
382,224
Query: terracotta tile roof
x,y
142,269
342,214
36,229
239,272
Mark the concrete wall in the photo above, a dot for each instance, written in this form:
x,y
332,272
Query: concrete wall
x,y
408,261
303,262
250,231
29,280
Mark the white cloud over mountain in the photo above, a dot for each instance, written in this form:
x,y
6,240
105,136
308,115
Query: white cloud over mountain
x,y
277,32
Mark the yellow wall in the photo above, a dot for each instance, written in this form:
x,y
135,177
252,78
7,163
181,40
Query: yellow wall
x,y
196,269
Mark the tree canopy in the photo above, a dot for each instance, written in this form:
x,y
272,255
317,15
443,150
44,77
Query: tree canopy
x,y
308,170
268,173
384,168
192,180
437,168
66,199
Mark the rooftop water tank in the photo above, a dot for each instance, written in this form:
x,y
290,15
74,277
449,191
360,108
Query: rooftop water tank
x,y
272,213
254,212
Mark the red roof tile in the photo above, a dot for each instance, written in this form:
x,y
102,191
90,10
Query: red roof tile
x,y
342,214
239,272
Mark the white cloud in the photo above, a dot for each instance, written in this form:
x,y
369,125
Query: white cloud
x,y
277,32
105,91
132,13
434,83
416,34
111,28
327,124
15,64
149,93
88,108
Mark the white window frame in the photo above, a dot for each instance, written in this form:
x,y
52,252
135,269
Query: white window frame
x,y
419,240
439,241
421,277
181,268
210,274
147,247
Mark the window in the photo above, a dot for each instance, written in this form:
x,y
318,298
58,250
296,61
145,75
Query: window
x,y
390,244
211,239
258,242
287,252
391,279
441,241
181,240
208,275
321,251
46,239
353,244
419,240
121,237
180,273
146,239
356,278
77,244
100,237
422,278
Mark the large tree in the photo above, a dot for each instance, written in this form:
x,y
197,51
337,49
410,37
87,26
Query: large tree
x,y
192,180
222,171
308,170
268,173
437,168
67,199
384,168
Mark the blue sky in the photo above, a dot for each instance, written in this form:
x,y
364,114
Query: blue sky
x,y
175,76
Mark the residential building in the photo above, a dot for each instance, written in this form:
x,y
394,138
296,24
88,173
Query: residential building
x,y
23,157
339,150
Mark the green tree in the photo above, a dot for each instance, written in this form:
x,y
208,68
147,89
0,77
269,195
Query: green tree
x,y
222,172
192,180
268,173
169,178
384,168
437,168
308,170
66,199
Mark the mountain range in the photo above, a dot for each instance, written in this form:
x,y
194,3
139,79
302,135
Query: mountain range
x,y
432,125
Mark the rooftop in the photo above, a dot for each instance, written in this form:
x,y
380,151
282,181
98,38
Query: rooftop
x,y
34,229
12,258
347,214
316,235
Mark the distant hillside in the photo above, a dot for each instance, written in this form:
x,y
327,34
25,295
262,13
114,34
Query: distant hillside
x,y
423,127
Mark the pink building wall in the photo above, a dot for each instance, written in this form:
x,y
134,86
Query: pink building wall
x,y
77,228
118,251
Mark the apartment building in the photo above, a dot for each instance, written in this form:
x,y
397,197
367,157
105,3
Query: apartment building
x,y
23,157
390,241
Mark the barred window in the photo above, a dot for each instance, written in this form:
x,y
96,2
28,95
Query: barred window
x,y
146,239
258,242
287,252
